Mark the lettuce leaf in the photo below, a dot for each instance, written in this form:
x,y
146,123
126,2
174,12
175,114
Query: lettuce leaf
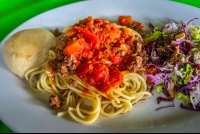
x,y
174,78
185,98
196,33
160,88
154,36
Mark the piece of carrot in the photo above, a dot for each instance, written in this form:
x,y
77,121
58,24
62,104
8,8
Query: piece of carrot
x,y
70,33
73,47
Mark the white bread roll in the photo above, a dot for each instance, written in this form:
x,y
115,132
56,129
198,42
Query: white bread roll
x,y
27,49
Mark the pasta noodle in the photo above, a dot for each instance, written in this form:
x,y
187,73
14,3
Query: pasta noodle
x,y
120,101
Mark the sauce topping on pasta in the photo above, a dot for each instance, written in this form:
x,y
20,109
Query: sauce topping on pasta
x,y
102,50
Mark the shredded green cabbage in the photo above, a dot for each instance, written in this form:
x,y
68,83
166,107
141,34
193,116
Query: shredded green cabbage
x,y
174,78
196,33
154,36
159,88
185,98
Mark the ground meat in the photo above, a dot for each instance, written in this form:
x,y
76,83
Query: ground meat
x,y
59,55
62,42
56,65
68,66
139,59
64,94
54,102
138,47
53,64
137,26
57,32
69,60
64,69
145,58
136,64
73,83
64,64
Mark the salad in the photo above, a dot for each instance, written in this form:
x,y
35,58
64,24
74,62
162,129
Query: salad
x,y
174,63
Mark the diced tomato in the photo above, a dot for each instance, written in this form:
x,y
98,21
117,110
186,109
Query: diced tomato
x,y
100,71
152,71
115,59
73,47
96,43
89,37
98,55
98,22
82,70
70,33
90,54
125,20
87,54
115,77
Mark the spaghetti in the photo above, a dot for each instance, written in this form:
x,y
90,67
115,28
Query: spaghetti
x,y
111,92
130,91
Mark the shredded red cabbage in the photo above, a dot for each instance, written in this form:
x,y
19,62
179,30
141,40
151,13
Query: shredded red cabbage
x,y
189,108
190,86
160,99
151,27
169,55
165,107
184,30
192,20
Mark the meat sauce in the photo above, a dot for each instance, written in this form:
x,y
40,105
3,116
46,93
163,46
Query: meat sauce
x,y
101,50
99,75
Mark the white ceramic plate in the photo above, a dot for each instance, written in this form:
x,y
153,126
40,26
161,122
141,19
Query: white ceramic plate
x,y
23,110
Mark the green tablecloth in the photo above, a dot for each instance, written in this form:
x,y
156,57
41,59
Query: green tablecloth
x,y
15,12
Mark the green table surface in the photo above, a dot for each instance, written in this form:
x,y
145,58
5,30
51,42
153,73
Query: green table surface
x,y
13,13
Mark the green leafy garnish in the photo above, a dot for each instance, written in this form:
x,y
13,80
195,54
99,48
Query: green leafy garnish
x,y
196,33
198,45
185,98
189,69
154,36
174,78
160,88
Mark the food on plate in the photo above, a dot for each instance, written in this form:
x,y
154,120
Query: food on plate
x,y
128,22
174,63
27,49
97,61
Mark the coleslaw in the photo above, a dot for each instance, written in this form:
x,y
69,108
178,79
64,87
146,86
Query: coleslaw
x,y
174,51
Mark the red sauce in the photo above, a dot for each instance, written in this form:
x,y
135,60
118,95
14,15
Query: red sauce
x,y
50,73
99,75
96,43
85,92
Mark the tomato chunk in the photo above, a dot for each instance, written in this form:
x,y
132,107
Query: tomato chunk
x,y
100,76
82,70
125,20
89,37
152,71
87,54
115,59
